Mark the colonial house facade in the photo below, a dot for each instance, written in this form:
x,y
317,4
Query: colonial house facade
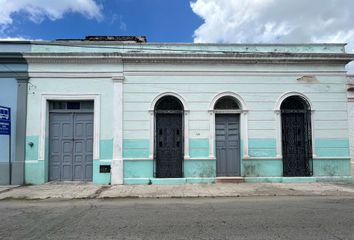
x,y
130,112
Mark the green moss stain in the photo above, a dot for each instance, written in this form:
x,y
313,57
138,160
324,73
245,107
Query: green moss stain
x,y
262,168
335,167
200,168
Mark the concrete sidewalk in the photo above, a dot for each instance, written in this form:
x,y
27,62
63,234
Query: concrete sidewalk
x,y
90,191
5,188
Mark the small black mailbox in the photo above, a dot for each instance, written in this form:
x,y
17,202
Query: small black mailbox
x,y
105,168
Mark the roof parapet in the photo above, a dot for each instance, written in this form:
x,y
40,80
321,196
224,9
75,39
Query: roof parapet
x,y
124,39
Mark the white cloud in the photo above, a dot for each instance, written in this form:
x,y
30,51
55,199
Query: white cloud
x,y
250,21
38,10
350,68
276,21
18,38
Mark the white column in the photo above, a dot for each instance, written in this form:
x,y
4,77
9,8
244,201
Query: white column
x,y
278,128
313,132
211,134
244,131
186,135
152,134
117,161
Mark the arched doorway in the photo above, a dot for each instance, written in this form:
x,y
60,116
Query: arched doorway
x,y
227,137
169,137
296,137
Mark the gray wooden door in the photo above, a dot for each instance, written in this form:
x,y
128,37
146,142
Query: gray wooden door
x,y
227,137
70,146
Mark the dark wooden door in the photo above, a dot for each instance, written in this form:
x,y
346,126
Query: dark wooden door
x,y
227,137
169,145
296,143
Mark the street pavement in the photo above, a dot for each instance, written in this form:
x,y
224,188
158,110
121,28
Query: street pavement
x,y
91,191
294,217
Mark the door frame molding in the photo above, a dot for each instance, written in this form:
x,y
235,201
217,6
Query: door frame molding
x,y
243,111
44,119
277,112
185,120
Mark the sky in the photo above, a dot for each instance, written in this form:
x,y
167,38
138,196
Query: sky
x,y
201,21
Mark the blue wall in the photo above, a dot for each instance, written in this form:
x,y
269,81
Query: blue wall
x,y
8,98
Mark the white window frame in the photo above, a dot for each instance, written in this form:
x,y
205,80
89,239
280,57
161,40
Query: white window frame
x,y
243,111
186,123
278,121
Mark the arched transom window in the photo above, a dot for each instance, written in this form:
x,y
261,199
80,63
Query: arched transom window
x,y
227,103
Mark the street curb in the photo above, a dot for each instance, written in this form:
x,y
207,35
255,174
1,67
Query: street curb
x,y
91,197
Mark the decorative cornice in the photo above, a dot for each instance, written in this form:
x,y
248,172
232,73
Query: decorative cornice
x,y
14,74
38,74
118,78
247,58
235,73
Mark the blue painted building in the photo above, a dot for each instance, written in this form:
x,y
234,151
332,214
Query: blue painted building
x,y
13,94
131,112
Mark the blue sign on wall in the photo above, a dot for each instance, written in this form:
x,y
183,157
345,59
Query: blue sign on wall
x,y
5,121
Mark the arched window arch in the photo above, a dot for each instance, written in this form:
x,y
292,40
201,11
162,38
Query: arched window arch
x,y
227,103
295,103
169,103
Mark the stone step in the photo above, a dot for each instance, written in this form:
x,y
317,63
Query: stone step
x,y
230,179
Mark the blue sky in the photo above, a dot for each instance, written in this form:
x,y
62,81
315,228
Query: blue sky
x,y
201,21
221,21
159,20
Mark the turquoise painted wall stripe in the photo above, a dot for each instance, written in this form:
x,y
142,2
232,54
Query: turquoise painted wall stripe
x,y
135,143
262,152
262,143
332,143
332,147
32,152
198,143
106,149
135,153
198,147
136,148
262,147
199,153
332,152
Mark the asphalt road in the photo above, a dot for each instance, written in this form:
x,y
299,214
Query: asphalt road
x,y
209,218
